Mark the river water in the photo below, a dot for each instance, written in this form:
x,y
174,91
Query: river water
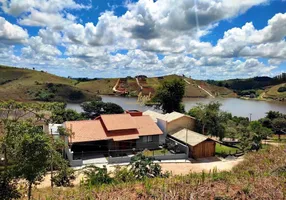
x,y
238,107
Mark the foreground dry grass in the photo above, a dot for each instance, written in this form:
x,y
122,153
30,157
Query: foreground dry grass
x,y
261,175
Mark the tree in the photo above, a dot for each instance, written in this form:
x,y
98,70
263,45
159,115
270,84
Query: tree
x,y
62,115
279,126
95,108
31,153
210,118
170,94
96,175
273,115
256,127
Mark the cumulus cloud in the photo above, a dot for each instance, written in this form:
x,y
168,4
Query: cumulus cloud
x,y
169,27
51,13
11,33
37,50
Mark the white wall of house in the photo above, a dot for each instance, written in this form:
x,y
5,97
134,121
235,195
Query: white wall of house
x,y
162,124
182,122
174,125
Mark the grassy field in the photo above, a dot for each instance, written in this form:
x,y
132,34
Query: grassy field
x,y
157,152
222,149
261,175
31,85
272,92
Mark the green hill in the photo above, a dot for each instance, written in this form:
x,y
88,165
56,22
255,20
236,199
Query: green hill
x,y
277,92
260,87
28,85
31,85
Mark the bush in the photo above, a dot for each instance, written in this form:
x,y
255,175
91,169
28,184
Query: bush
x,y
76,95
144,167
8,188
64,177
97,176
282,89
123,174
44,95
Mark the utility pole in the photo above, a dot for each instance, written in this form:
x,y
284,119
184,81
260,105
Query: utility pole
x,y
187,144
52,173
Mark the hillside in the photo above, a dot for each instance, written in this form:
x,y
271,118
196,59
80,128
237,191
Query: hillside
x,y
31,85
275,92
28,85
262,88
263,179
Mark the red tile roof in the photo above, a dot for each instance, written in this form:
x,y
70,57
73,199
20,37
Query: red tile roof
x,y
118,122
117,127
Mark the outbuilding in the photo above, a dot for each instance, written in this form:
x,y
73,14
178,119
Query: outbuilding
x,y
171,122
200,146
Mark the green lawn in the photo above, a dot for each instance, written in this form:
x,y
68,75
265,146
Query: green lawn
x,y
157,152
222,149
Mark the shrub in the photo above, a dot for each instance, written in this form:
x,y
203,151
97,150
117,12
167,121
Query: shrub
x,y
97,176
44,95
76,95
64,177
144,167
123,174
8,188
282,89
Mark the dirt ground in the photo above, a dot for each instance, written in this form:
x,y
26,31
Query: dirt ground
x,y
175,168
185,168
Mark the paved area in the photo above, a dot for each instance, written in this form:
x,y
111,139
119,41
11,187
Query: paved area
x,y
99,159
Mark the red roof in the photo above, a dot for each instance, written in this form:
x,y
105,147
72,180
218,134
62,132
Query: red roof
x,y
117,127
118,122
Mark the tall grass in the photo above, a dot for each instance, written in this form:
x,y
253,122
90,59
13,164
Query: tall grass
x,y
262,175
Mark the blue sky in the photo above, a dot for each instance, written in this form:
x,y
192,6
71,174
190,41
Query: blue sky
x,y
204,39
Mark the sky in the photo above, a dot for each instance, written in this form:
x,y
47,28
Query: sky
x,y
202,39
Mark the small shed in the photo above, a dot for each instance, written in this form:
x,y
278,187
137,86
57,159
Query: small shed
x,y
200,146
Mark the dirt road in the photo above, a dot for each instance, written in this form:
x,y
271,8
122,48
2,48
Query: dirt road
x,y
185,168
175,168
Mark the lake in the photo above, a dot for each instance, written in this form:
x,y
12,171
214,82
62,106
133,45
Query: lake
x,y
238,107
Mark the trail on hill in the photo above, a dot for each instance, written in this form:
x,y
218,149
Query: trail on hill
x,y
115,86
138,83
212,96
200,88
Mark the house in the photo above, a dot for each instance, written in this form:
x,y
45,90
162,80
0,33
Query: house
x,y
200,146
171,122
113,133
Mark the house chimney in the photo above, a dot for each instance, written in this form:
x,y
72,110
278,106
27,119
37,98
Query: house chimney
x,y
134,113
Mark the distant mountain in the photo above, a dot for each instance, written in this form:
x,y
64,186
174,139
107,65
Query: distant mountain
x,y
31,85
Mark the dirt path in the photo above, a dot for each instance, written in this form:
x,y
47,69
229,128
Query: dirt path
x,y
186,168
200,88
206,91
115,86
138,83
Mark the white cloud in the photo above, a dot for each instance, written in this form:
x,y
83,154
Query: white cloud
x,y
43,19
268,42
16,7
50,36
51,13
36,49
11,33
149,27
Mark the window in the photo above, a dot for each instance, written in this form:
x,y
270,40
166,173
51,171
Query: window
x,y
148,139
